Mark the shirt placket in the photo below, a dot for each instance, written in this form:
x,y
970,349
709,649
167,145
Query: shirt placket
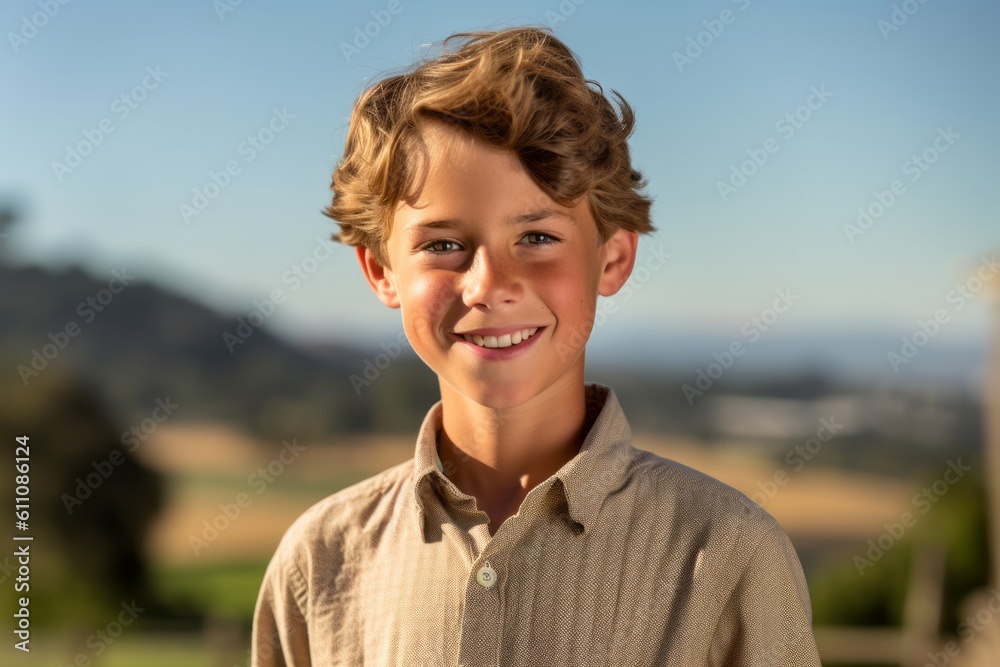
x,y
482,626
482,615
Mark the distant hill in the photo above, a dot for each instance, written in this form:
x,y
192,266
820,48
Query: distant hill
x,y
147,344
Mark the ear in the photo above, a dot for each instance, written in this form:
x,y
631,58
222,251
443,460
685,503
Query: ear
x,y
380,279
617,260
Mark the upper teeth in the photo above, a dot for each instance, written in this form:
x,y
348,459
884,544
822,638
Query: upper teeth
x,y
505,340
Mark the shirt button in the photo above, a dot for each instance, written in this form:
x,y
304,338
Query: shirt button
x,y
486,576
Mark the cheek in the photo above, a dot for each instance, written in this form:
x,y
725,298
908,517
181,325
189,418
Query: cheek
x,y
569,293
427,300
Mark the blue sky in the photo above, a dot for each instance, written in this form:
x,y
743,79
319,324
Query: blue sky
x,y
224,76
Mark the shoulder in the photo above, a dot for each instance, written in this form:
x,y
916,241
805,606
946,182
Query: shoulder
x,y
736,547
700,509
743,568
332,526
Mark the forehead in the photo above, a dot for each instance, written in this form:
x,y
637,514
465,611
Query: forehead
x,y
449,151
458,178
452,169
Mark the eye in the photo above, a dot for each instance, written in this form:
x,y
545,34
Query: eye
x,y
541,238
430,247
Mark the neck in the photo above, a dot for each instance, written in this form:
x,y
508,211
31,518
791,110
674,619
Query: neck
x,y
498,455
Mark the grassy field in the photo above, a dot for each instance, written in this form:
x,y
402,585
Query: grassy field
x,y
224,589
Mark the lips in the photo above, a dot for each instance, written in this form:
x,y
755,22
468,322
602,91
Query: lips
x,y
504,340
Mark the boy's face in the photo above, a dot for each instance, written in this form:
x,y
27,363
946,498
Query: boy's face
x,y
477,266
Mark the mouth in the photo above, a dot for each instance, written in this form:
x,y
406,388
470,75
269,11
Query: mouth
x,y
512,339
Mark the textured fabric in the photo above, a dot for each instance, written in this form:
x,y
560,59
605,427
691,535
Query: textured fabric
x,y
620,558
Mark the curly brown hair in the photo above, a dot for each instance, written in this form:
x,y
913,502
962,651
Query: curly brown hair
x,y
519,89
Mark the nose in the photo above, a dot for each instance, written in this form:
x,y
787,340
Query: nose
x,y
491,279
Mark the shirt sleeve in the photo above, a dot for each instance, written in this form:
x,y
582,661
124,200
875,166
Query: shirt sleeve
x,y
767,621
280,635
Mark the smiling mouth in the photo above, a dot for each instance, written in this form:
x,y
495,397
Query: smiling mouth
x,y
506,340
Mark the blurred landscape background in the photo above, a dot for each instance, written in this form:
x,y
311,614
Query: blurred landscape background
x,y
196,364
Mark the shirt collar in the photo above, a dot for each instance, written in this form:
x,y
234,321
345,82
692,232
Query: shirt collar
x,y
586,479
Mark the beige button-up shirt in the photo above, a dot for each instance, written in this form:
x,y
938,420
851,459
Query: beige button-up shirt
x,y
620,558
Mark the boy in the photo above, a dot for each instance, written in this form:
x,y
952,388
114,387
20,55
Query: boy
x,y
491,198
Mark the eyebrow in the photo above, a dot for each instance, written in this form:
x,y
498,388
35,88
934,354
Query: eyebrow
x,y
523,219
